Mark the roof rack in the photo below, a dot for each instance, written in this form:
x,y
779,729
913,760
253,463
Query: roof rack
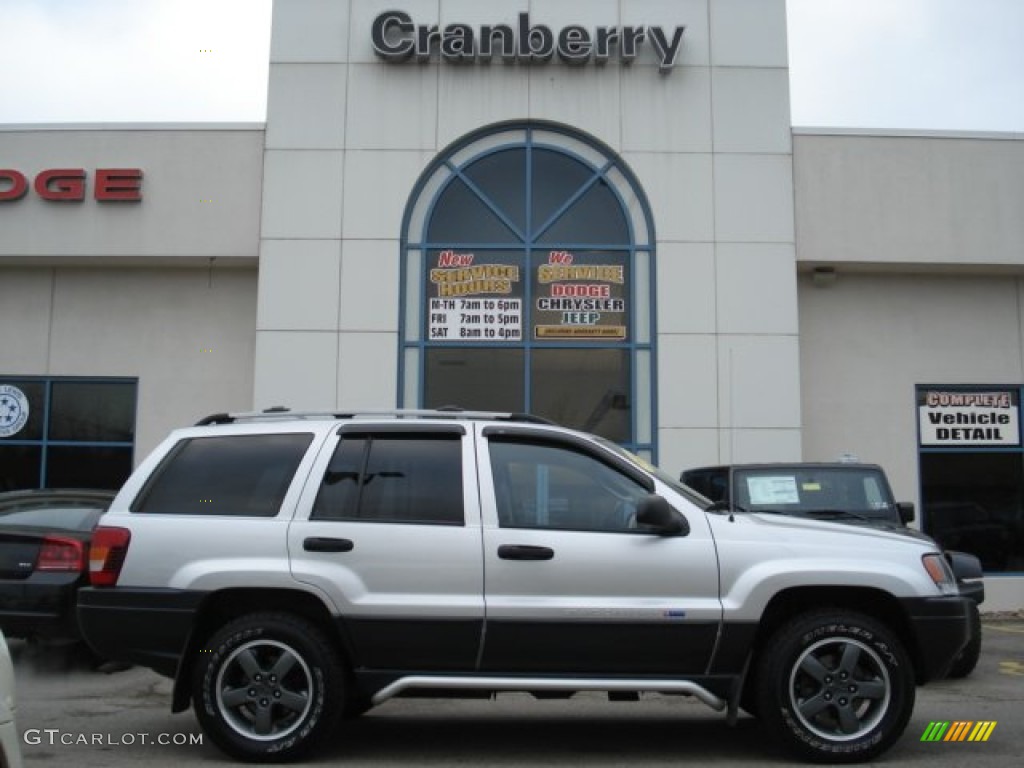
x,y
445,412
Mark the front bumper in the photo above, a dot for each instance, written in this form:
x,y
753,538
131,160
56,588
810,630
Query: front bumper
x,y
940,629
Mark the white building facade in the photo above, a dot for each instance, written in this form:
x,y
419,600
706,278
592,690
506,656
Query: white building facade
x,y
597,213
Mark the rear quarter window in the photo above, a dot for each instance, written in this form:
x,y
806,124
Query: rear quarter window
x,y
240,475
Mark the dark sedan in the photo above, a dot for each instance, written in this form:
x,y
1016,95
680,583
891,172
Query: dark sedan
x,y
44,559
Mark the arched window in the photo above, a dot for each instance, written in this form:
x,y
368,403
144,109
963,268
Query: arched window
x,y
527,278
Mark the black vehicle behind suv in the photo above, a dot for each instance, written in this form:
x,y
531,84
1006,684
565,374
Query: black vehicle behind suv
x,y
845,492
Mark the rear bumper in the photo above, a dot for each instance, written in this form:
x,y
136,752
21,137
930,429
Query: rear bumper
x,y
42,606
940,629
149,627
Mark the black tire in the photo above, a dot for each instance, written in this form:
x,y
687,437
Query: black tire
x,y
835,686
968,658
268,687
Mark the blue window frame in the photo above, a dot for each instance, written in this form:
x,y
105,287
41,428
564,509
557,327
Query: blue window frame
x,y
528,283
66,431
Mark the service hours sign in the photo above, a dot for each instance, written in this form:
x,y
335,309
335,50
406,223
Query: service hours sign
x,y
471,299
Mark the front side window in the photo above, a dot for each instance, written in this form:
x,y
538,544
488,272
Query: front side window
x,y
241,475
548,486
527,257
394,478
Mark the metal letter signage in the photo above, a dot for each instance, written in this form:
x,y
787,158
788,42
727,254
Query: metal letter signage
x,y
64,185
397,39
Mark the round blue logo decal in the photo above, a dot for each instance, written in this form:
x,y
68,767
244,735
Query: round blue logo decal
x,y
13,410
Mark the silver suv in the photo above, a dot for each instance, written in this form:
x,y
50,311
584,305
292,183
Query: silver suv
x,y
290,571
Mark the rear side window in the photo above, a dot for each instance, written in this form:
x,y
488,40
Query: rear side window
x,y
242,475
394,478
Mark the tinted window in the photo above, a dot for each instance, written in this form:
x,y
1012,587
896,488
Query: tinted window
x,y
19,466
503,176
712,483
87,467
584,389
596,217
407,478
556,179
244,475
79,432
93,411
544,486
972,502
461,216
476,379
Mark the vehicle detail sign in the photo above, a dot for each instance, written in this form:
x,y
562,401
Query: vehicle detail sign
x,y
980,417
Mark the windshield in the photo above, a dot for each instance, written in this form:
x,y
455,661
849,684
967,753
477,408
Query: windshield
x,y
849,491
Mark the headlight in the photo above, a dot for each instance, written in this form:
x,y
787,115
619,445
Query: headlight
x,y
940,573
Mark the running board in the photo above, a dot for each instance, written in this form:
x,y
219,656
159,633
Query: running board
x,y
528,684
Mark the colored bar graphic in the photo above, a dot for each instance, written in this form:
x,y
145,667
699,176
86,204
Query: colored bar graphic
x,y
982,731
958,730
935,731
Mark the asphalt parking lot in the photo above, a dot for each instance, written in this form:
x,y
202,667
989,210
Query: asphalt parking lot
x,y
73,715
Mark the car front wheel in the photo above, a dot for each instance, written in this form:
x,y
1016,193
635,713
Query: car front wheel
x,y
268,687
835,686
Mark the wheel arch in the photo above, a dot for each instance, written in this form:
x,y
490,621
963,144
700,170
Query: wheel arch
x,y
875,603
228,604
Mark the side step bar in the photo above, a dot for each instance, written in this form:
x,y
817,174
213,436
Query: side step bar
x,y
527,684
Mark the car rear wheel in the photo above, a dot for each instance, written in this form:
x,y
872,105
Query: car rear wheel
x,y
835,687
268,687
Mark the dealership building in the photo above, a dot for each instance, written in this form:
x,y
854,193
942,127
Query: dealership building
x,y
595,212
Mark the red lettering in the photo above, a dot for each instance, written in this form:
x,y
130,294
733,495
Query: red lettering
x,y
596,290
559,257
118,184
453,259
18,182
61,184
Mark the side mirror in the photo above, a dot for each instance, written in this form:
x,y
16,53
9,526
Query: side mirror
x,y
906,511
657,513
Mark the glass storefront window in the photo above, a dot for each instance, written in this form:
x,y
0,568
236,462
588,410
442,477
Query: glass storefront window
x,y
78,432
524,288
92,411
972,472
484,379
584,388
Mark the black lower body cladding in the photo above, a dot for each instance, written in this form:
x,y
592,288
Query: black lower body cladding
x,y
941,628
149,627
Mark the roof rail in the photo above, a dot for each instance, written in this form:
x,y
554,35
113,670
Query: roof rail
x,y
445,412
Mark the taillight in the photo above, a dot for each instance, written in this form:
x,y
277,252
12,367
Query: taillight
x,y
60,554
106,555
